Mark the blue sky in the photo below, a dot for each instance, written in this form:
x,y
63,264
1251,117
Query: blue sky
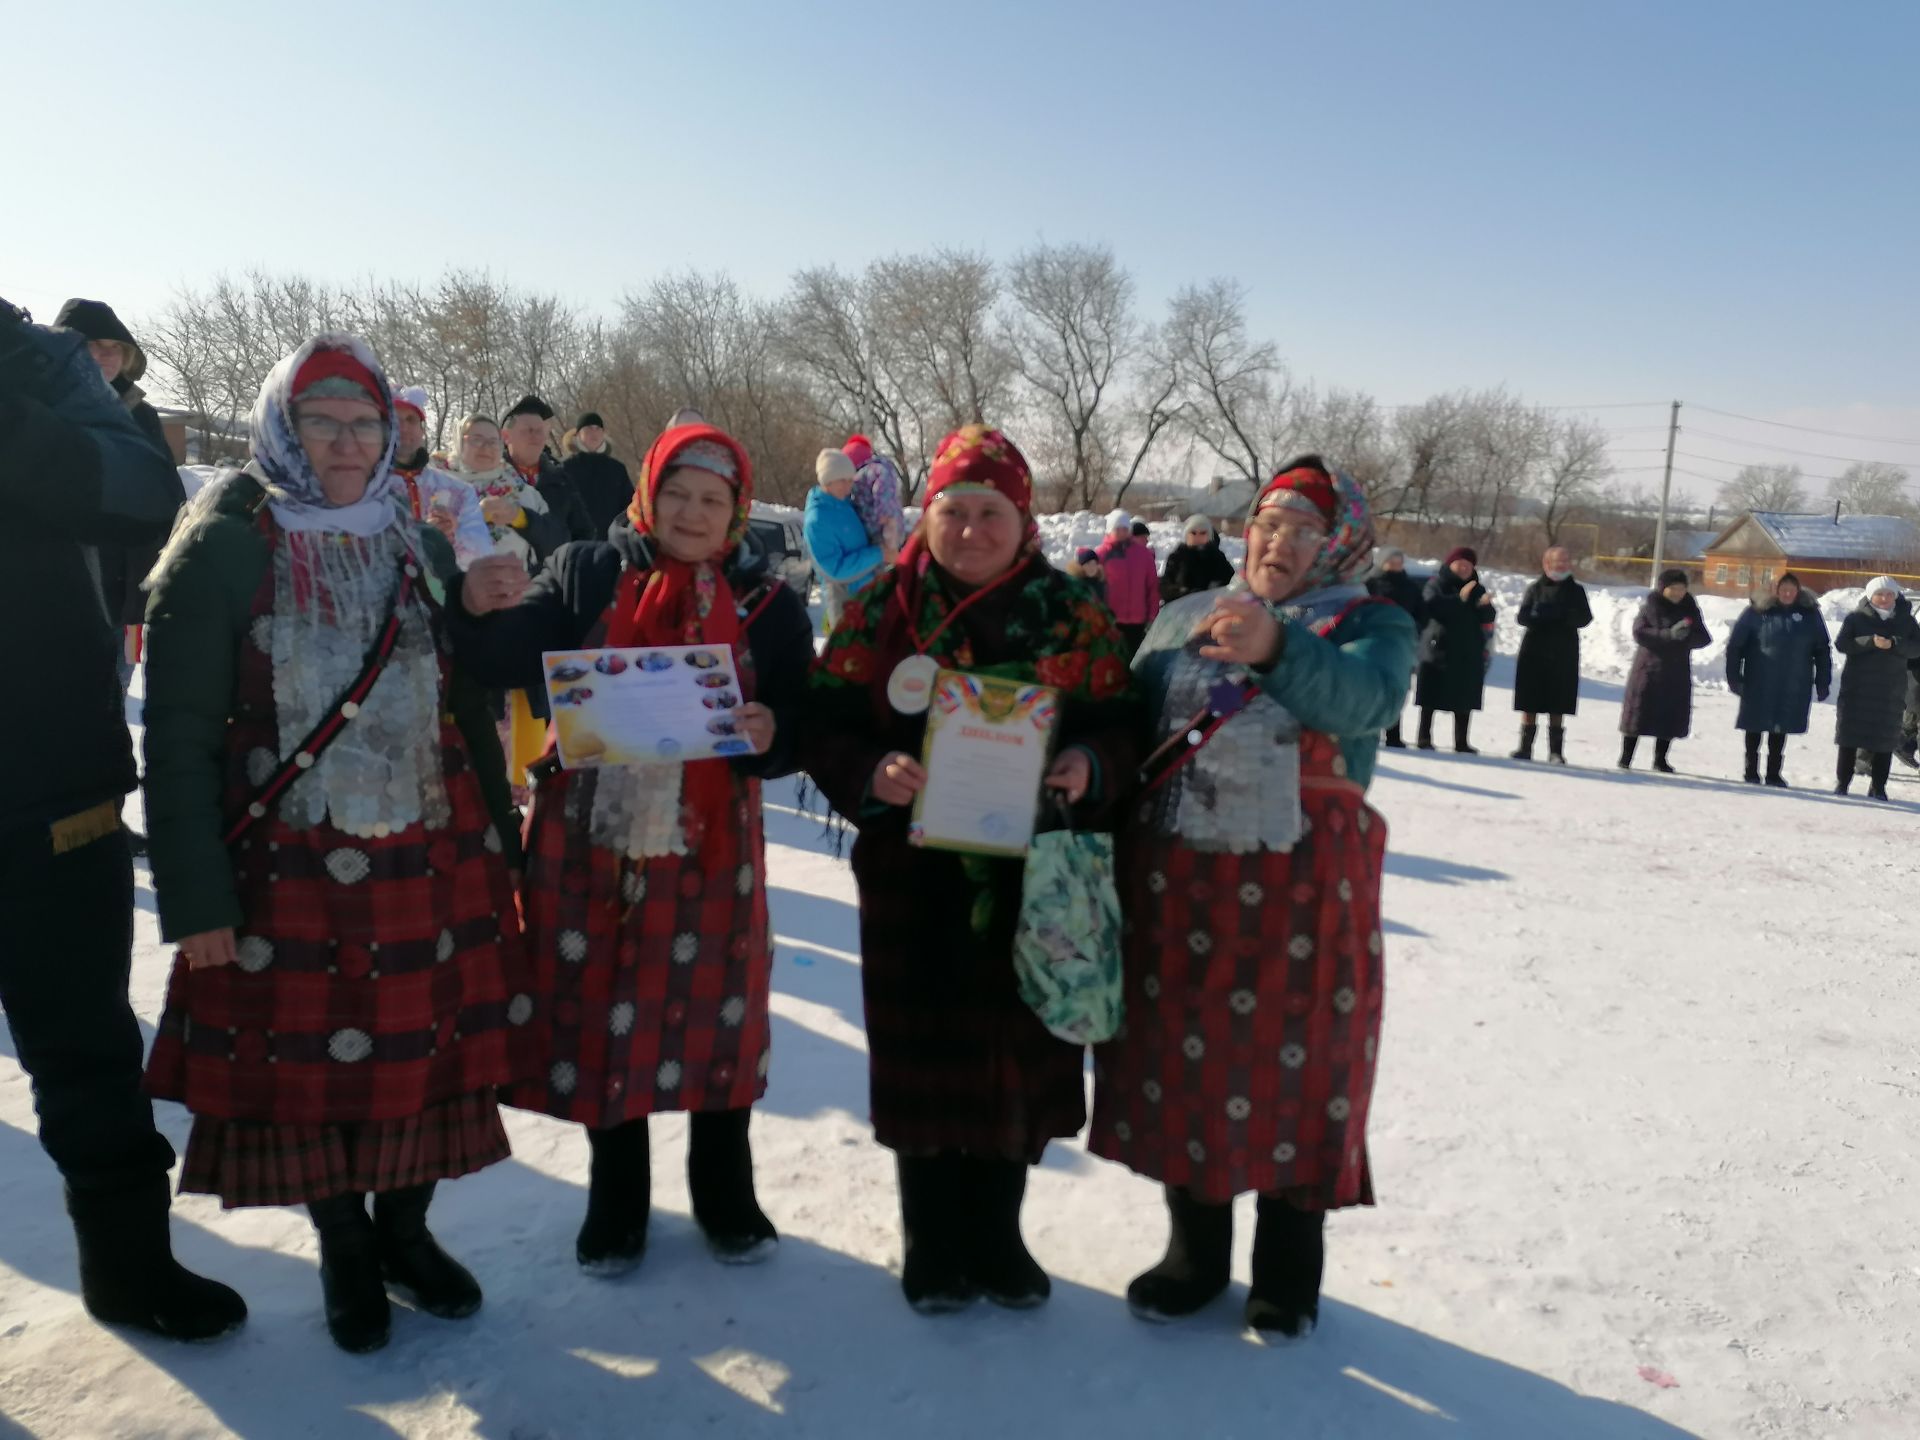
x,y
1586,202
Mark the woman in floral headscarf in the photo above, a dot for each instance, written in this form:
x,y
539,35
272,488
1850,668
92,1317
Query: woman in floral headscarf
x,y
646,896
330,849
1253,962
967,1085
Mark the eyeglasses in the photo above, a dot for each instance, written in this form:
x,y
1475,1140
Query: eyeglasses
x,y
1298,536
325,430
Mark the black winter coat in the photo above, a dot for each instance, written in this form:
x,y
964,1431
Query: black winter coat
x,y
1660,686
1546,680
1453,648
124,567
563,500
1873,686
75,475
1777,656
604,486
574,590
1193,568
1403,590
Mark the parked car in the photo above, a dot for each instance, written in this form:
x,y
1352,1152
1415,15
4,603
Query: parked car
x,y
776,534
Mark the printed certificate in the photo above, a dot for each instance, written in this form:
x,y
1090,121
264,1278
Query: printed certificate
x,y
987,748
663,705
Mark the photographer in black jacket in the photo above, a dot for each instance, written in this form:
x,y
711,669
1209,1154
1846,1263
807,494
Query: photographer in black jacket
x,y
76,475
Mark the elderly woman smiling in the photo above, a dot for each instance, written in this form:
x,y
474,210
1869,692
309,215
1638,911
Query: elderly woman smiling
x,y
1253,963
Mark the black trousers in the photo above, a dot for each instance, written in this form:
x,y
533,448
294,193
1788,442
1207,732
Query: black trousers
x,y
1881,761
66,947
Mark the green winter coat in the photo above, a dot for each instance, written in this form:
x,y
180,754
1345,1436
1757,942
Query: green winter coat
x,y
197,617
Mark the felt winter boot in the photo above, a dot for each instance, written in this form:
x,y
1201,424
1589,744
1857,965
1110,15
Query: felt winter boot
x,y
128,1275
998,1262
1425,741
359,1318
1462,722
1197,1264
933,1271
1660,757
1776,759
720,1179
1289,1253
619,1199
1525,750
1557,744
1628,743
1752,776
412,1260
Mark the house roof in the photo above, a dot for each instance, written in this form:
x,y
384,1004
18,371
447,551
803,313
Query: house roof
x,y
1690,544
1850,537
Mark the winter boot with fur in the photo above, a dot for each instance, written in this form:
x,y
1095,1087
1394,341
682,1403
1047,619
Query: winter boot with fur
x,y
720,1179
998,1262
1660,757
1289,1253
1527,736
1557,744
128,1275
1197,1264
359,1317
933,1271
412,1260
619,1200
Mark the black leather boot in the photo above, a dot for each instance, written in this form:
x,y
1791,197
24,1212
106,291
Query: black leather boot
x,y
1393,740
359,1317
1197,1264
1462,722
1628,743
1557,744
1425,742
720,1179
1776,759
128,1275
1525,749
613,1237
412,1259
933,1271
1289,1253
999,1265
1660,757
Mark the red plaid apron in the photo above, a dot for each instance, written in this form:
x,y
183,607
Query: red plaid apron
x,y
1253,1007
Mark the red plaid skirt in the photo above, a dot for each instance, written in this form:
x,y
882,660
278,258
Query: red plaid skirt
x,y
245,1162
650,977
1253,1007
376,976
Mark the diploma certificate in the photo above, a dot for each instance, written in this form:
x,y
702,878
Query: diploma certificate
x,y
988,743
658,705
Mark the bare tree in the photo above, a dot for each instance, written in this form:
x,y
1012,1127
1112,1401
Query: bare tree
x,y
939,312
1072,329
1765,487
1154,407
1233,385
1573,470
1873,487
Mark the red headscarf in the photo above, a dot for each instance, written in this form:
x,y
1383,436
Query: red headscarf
x,y
329,364
975,457
679,602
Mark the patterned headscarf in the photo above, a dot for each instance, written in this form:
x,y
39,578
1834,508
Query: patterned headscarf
x,y
279,458
701,447
982,458
1336,497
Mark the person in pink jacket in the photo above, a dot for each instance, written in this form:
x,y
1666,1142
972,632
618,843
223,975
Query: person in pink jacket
x,y
1133,581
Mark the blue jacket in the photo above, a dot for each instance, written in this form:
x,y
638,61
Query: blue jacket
x,y
837,539
1777,656
1350,685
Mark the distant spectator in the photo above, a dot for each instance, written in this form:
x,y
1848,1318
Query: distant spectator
x,y
527,430
605,487
1454,648
1878,639
1668,629
1086,566
1546,681
1778,656
434,494
1198,564
1133,584
1390,581
847,559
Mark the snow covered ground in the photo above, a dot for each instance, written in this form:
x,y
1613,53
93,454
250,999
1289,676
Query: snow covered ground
x,y
1643,1143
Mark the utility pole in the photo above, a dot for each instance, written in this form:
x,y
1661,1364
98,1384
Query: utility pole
x,y
1666,490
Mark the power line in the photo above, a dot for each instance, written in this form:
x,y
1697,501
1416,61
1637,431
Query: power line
x,y
1788,449
1720,460
1807,429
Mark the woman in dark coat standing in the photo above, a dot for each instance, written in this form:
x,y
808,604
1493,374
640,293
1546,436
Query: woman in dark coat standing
x,y
646,895
1877,639
1553,612
1777,657
1197,563
1390,581
1668,629
1454,648
967,1085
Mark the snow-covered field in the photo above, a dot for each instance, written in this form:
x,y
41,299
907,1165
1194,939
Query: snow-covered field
x,y
1644,1145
